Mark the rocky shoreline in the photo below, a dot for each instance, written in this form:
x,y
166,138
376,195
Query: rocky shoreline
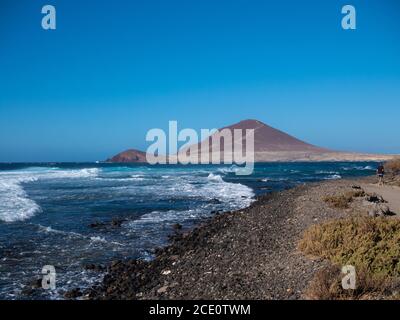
x,y
247,254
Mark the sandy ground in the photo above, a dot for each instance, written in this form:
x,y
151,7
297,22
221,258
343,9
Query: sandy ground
x,y
390,193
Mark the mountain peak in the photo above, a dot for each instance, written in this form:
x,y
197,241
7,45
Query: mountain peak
x,y
248,123
267,138
252,121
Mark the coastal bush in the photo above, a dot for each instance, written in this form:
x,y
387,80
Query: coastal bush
x,y
370,244
393,166
342,201
327,285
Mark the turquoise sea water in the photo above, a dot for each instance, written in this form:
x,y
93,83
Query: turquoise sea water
x,y
46,211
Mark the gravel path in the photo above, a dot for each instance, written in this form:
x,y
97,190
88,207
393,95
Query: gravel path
x,y
390,193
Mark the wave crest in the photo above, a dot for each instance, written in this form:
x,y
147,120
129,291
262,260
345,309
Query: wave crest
x,y
15,205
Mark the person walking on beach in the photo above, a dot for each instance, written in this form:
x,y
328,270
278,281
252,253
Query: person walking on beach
x,y
380,172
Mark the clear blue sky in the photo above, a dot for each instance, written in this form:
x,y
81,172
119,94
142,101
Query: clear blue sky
x,y
114,69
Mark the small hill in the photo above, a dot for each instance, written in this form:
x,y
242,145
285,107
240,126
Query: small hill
x,y
129,156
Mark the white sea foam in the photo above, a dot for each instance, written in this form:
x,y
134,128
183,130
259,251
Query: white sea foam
x,y
326,172
231,169
231,196
72,234
358,168
333,177
98,239
15,204
156,217
275,179
235,194
137,177
66,233
214,177
81,173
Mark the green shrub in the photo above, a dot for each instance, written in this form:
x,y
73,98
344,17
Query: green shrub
x,y
342,201
371,244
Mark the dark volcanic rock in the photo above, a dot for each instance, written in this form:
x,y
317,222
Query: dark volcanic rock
x,y
114,223
215,201
32,287
375,198
73,294
177,226
97,224
95,267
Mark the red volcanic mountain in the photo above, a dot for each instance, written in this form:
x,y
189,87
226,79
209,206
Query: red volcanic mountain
x,y
270,144
267,139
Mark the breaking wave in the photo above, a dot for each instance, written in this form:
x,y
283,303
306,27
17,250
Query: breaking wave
x,y
15,205
14,202
230,196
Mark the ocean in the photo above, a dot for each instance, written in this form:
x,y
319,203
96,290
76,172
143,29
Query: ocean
x,y
73,214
